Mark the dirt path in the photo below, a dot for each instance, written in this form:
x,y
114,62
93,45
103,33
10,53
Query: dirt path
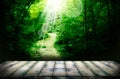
x,y
49,52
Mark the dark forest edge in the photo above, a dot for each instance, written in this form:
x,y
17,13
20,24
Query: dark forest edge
x,y
93,35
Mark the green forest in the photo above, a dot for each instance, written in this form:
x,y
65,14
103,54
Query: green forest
x,y
60,30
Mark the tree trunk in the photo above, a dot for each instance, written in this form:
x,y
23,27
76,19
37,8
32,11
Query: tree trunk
x,y
109,22
94,25
85,24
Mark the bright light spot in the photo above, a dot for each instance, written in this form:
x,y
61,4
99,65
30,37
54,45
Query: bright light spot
x,y
51,11
35,8
55,4
90,29
70,8
73,8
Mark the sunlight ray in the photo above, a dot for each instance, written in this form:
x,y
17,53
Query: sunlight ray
x,y
51,11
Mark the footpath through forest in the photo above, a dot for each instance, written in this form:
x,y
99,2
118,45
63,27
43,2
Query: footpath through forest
x,y
48,52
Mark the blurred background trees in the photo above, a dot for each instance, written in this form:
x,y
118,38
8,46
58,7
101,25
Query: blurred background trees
x,y
94,34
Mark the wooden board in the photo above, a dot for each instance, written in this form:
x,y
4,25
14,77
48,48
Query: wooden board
x,y
95,69
71,69
12,69
59,69
24,69
48,69
7,64
35,70
112,65
83,69
105,68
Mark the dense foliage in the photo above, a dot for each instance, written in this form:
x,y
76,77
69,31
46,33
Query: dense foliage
x,y
20,28
88,32
92,35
